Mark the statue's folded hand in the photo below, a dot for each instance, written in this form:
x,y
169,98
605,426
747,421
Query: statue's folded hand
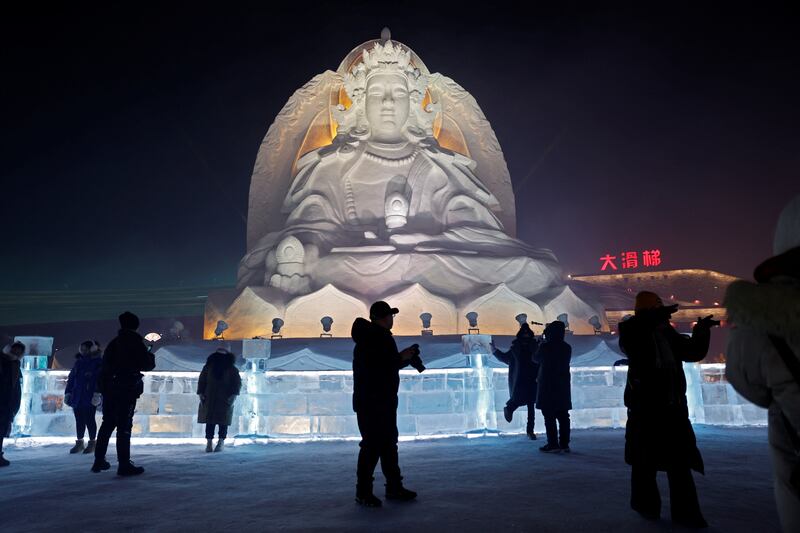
x,y
412,240
291,284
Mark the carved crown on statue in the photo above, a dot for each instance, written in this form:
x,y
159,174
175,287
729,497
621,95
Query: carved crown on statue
x,y
384,181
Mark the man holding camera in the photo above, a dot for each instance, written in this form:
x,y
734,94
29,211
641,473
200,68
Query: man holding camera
x,y
658,434
121,384
376,380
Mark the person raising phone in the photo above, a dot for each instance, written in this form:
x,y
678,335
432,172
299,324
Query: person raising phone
x,y
658,434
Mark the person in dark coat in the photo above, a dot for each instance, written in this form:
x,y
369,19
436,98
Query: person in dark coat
x,y
554,395
376,380
658,434
10,390
120,383
218,387
522,372
79,394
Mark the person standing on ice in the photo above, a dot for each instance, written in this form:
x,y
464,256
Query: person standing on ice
x,y
376,380
763,355
218,387
658,434
10,390
121,384
80,394
554,395
522,372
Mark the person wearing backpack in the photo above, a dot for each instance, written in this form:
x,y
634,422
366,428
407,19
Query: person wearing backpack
x,y
763,355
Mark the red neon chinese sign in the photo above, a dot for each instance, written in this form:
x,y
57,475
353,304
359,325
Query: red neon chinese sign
x,y
631,260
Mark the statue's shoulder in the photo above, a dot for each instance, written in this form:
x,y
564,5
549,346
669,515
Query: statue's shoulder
x,y
431,149
342,149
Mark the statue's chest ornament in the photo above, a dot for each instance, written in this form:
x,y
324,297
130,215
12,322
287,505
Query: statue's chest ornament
x,y
389,161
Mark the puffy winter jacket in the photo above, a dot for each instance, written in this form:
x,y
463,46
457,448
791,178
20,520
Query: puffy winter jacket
x,y
82,381
756,370
124,360
376,366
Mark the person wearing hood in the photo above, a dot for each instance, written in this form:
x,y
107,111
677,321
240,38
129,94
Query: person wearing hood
x,y
218,387
554,395
763,355
10,390
522,372
376,380
121,384
80,394
658,434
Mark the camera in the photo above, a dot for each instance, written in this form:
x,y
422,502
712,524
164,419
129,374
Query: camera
x,y
416,361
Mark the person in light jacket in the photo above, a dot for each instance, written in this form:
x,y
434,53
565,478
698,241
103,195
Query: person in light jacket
x,y
766,321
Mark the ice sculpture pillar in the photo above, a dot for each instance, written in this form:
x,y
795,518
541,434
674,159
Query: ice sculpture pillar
x,y
477,349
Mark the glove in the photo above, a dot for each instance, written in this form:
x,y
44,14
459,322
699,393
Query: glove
x,y
231,399
707,322
97,399
202,397
68,399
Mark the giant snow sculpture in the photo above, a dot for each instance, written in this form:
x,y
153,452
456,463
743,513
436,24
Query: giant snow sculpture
x,y
374,179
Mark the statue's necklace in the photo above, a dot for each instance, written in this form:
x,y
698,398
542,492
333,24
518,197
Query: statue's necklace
x,y
390,161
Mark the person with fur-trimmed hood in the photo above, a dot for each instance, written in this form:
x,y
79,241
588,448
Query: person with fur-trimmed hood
x,y
81,394
10,390
522,371
658,434
218,387
763,355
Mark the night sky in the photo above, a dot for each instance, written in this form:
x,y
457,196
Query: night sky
x,y
129,133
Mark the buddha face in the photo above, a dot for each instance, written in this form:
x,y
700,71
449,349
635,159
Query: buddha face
x,y
387,106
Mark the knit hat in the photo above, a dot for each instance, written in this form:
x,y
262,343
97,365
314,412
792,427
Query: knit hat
x,y
647,300
128,320
525,330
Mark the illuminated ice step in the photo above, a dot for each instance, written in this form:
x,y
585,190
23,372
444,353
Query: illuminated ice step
x,y
319,403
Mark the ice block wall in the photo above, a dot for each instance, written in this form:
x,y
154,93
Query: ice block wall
x,y
318,404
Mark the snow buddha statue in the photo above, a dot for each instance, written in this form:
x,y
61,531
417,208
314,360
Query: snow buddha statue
x,y
385,205
382,176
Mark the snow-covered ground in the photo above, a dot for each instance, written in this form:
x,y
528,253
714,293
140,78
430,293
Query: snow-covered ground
x,y
480,484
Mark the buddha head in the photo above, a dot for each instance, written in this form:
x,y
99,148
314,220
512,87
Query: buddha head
x,y
384,89
386,106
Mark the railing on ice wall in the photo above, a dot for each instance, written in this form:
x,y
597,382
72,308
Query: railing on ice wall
x,y
317,404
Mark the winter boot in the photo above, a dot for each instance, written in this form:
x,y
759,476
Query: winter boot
x,y
90,446
399,492
531,434
209,445
129,469
367,499
565,448
220,445
508,414
3,460
100,465
78,448
550,448
364,495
